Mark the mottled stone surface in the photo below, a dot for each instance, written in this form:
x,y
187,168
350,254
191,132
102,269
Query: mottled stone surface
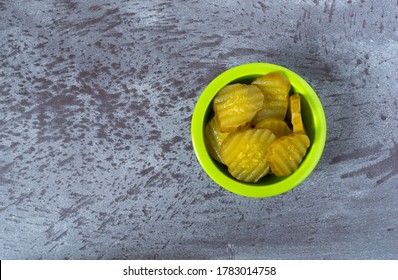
x,y
96,160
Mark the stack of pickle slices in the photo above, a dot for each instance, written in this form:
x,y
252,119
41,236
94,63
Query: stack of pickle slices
x,y
257,128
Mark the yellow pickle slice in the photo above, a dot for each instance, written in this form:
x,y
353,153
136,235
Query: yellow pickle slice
x,y
275,88
214,138
277,126
295,114
236,105
286,153
244,153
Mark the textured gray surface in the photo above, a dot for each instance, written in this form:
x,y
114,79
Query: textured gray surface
x,y
95,107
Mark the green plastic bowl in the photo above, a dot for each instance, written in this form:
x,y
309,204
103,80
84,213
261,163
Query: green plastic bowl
x,y
270,185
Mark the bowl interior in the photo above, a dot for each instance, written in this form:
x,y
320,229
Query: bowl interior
x,y
313,118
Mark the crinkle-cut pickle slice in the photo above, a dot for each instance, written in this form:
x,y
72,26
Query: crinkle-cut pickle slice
x,y
295,114
275,87
214,138
236,105
244,152
286,153
277,126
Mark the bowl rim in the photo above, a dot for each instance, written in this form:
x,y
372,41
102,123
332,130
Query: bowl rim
x,y
246,189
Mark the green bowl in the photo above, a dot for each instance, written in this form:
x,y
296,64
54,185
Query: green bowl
x,y
270,185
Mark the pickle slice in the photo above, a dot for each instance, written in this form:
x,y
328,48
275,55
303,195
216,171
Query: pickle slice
x,y
275,88
286,153
214,138
277,126
244,152
295,114
236,105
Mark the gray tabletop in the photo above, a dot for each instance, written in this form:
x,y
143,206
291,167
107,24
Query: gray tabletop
x,y
96,160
